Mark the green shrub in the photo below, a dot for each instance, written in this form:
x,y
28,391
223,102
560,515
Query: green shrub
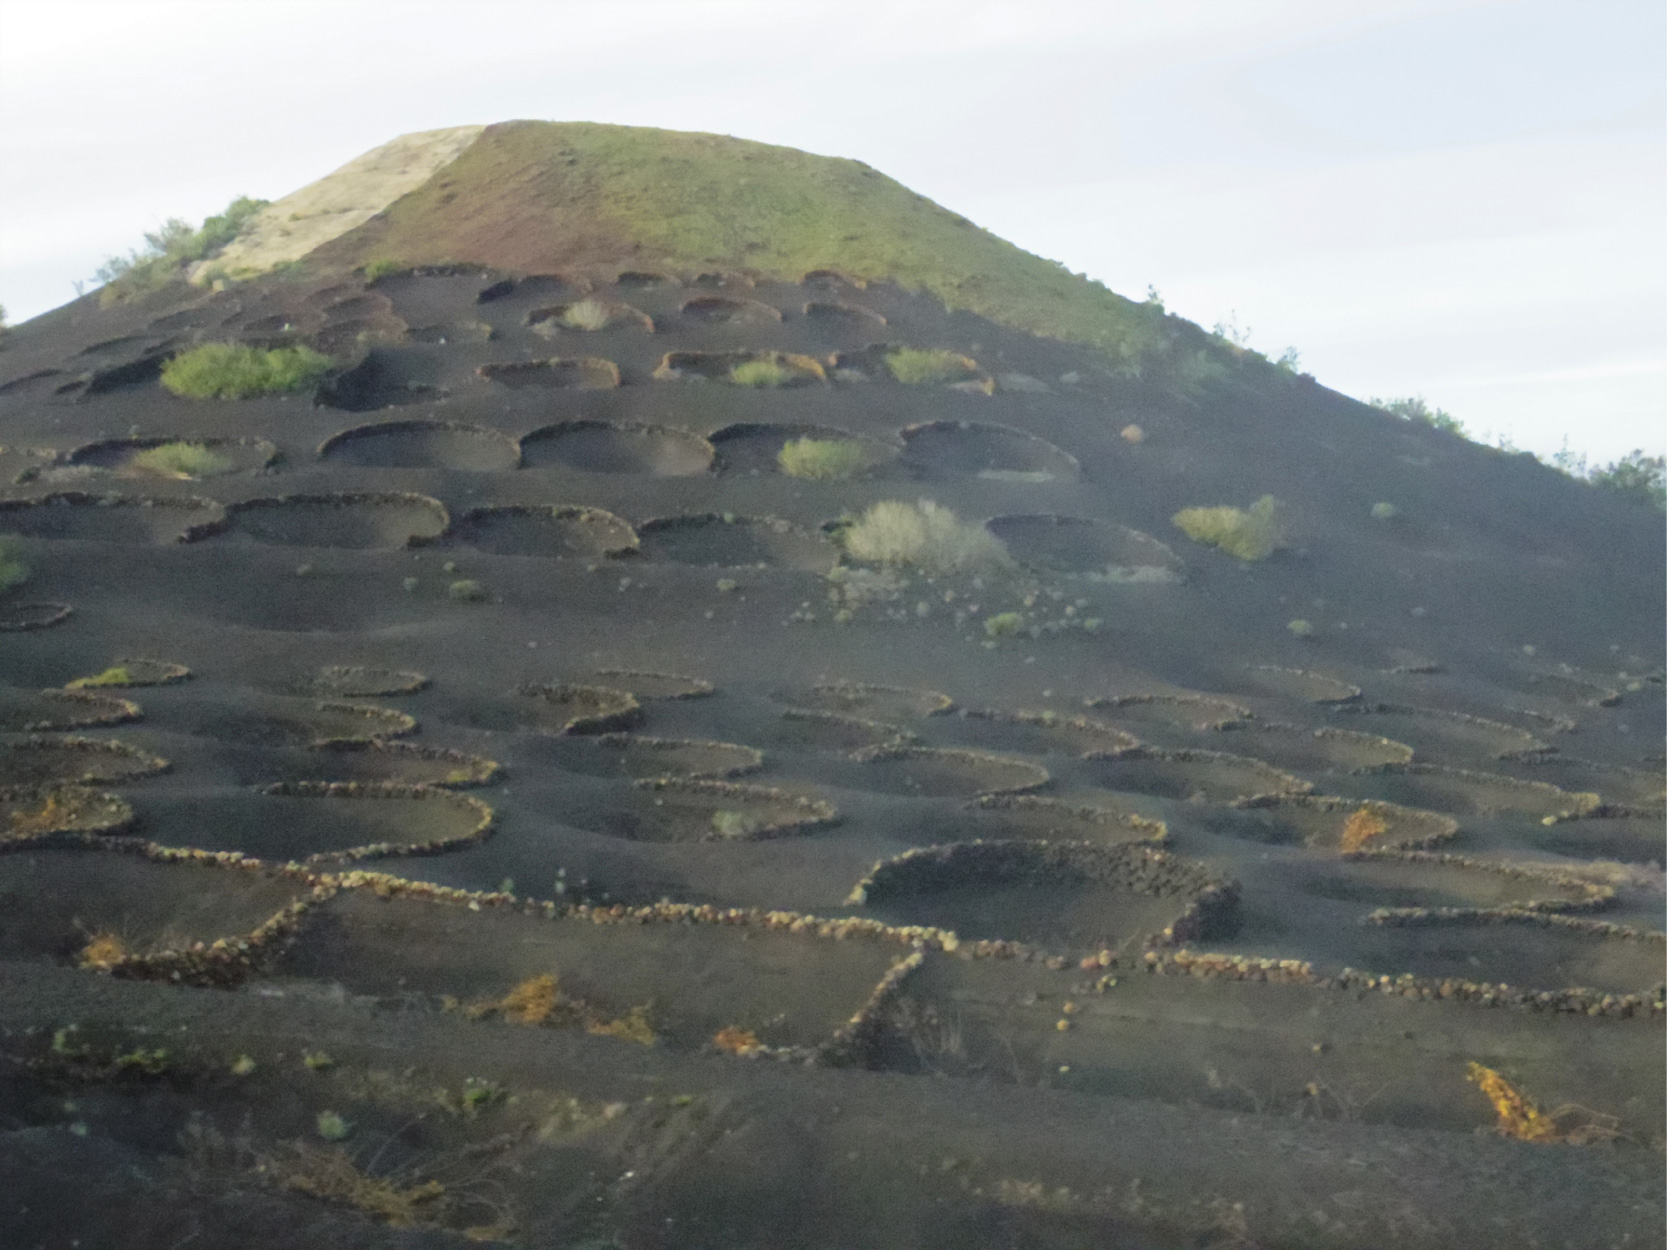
x,y
1252,533
182,460
1004,624
924,536
1385,512
466,591
236,371
118,675
170,249
760,373
925,367
1636,476
1413,408
1300,628
822,459
383,268
14,570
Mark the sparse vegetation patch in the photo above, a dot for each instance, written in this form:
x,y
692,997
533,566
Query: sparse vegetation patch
x,y
822,459
922,535
237,371
1248,534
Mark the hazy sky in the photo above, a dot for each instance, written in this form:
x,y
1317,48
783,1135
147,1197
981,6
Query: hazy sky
x,y
1458,199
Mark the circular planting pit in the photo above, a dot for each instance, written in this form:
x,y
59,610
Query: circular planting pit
x,y
28,813
755,447
355,521
1165,719
1044,733
587,316
837,312
1315,750
1055,895
1029,817
553,533
114,909
603,447
1564,686
26,618
422,445
628,755
881,703
1443,734
675,810
1445,882
571,709
1298,683
278,722
1461,792
1078,547
1193,776
967,449
400,763
802,729
673,976
1618,785
641,279
47,711
454,332
110,518
927,772
1628,838
742,368
1325,820
380,380
175,459
329,821
582,373
652,686
42,760
726,541
721,310
357,681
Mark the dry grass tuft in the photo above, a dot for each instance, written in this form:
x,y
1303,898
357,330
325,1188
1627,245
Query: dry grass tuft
x,y
928,367
1521,1119
104,950
1360,828
331,1174
633,1026
533,1001
924,536
736,1041
1249,534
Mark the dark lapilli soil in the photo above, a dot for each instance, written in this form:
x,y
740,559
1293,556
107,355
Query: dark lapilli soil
x,y
557,734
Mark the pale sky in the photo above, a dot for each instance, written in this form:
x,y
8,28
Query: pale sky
x,y
1456,198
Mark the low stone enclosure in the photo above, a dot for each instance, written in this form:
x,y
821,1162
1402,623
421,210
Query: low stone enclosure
x,y
1212,901
78,515
742,368
126,457
609,447
714,540
1097,551
552,532
423,445
584,373
974,449
355,520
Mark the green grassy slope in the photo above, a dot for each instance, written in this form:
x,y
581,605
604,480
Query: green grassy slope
x,y
540,195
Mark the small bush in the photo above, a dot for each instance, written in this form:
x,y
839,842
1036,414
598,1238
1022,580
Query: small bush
x,y
1004,624
1252,533
822,459
926,367
1385,512
236,371
587,314
466,591
1635,476
118,675
1413,408
924,536
760,373
1300,628
14,571
383,268
170,249
185,460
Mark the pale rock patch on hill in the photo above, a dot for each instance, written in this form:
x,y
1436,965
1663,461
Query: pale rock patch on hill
x,y
289,228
